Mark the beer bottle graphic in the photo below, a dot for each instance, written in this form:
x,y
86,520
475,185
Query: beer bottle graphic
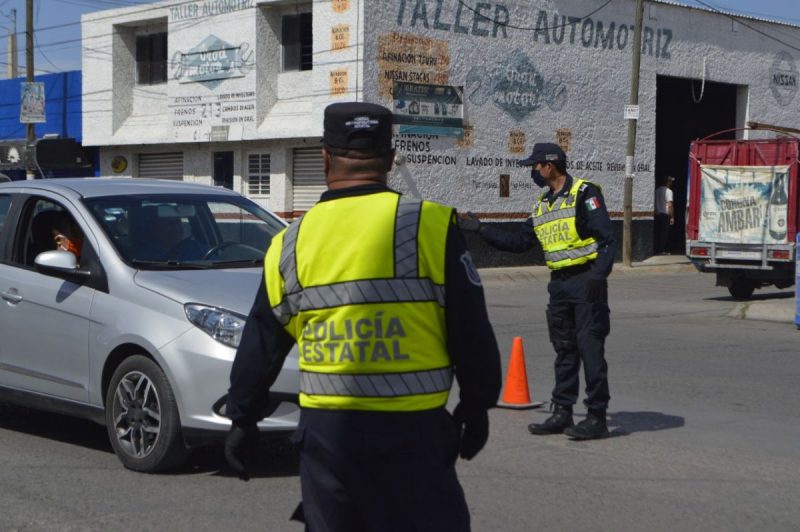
x,y
778,203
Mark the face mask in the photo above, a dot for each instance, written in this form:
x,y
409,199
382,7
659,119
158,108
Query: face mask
x,y
537,178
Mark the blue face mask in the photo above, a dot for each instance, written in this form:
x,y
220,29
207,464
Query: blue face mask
x,y
537,178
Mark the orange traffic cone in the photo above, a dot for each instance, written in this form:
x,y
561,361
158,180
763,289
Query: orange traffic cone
x,y
516,394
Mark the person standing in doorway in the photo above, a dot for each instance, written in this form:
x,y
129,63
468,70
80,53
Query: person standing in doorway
x,y
571,223
381,296
665,215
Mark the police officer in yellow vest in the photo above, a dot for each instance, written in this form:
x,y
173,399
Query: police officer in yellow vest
x,y
571,223
380,295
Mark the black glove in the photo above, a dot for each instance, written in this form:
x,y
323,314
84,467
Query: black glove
x,y
596,290
473,430
469,222
241,449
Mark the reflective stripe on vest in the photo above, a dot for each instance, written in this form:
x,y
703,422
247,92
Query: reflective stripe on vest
x,y
555,227
377,385
371,331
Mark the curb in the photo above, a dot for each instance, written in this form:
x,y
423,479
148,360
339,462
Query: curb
x,y
777,311
542,273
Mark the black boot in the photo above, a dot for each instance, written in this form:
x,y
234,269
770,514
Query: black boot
x,y
555,424
592,428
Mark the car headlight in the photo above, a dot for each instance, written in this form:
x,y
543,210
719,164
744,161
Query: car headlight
x,y
222,325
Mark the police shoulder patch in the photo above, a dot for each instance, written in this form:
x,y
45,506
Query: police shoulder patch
x,y
470,269
583,187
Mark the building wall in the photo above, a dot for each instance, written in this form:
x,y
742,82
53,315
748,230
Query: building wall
x,y
532,71
561,77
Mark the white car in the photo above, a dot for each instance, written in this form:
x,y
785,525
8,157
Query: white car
x,y
138,328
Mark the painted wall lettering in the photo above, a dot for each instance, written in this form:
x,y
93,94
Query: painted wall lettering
x,y
492,20
405,57
340,37
516,141
338,81
783,78
340,6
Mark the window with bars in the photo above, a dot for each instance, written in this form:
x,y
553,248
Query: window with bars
x,y
151,59
258,174
297,42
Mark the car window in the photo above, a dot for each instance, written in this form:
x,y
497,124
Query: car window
x,y
185,230
46,226
5,205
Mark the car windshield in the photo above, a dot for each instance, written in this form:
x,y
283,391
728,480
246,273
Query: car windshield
x,y
185,231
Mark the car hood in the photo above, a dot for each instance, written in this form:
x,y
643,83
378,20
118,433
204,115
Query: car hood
x,y
233,289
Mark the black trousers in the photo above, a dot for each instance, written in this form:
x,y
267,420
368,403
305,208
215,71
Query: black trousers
x,y
578,330
661,233
382,472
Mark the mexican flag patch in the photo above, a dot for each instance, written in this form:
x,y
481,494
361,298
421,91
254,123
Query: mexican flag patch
x,y
592,204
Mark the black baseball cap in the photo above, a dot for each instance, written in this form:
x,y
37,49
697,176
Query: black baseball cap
x,y
358,126
544,152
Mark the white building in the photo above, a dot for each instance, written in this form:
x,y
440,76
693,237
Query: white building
x,y
232,92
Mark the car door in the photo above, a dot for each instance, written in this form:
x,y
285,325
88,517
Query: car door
x,y
44,320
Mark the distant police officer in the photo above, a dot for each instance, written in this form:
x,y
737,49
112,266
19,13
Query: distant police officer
x,y
385,305
571,224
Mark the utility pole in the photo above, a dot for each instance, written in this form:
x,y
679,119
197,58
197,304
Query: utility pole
x,y
13,71
627,222
29,174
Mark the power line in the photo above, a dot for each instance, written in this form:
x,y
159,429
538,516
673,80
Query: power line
x,y
739,21
505,24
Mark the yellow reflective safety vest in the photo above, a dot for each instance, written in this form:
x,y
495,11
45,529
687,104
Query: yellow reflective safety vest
x,y
555,227
359,283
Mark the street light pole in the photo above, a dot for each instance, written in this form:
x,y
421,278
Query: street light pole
x,y
627,222
29,174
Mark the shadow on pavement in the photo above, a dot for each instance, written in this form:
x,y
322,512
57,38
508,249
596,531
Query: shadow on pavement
x,y
276,458
626,423
767,296
58,427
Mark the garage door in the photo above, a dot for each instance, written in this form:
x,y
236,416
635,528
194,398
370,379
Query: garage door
x,y
161,165
308,181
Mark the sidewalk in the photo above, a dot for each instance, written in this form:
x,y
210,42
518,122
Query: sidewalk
x,y
773,307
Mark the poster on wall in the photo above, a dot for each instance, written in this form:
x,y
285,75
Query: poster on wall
x,y
744,204
31,109
423,109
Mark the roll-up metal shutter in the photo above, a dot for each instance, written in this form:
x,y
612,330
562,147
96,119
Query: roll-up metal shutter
x,y
161,165
308,180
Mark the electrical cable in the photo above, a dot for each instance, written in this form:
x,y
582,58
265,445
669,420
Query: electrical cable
x,y
523,28
739,20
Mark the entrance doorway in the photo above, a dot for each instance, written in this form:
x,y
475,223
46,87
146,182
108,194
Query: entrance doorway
x,y
223,169
687,110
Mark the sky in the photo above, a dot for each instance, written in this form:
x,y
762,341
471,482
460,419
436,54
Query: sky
x,y
57,31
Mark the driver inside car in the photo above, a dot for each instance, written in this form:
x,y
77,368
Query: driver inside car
x,y
158,238
67,235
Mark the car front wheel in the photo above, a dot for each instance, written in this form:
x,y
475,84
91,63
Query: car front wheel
x,y
142,417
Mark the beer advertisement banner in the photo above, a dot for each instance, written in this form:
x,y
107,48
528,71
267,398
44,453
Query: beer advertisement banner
x,y
429,109
744,204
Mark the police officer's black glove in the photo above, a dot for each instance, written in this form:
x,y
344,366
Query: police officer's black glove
x,y
473,429
596,290
469,222
241,449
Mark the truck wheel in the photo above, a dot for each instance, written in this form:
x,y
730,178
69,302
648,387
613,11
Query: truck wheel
x,y
741,288
142,417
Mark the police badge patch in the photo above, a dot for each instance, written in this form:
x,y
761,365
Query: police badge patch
x,y
472,271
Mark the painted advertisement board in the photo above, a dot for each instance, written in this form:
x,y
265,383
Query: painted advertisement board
x,y
744,204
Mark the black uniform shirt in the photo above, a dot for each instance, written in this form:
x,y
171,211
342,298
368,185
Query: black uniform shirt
x,y
470,339
592,222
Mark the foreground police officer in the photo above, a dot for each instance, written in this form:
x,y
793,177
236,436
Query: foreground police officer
x,y
571,224
385,305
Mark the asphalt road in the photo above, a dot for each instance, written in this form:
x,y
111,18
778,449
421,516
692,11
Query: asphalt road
x,y
704,418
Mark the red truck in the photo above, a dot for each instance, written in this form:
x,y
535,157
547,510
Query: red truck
x,y
743,211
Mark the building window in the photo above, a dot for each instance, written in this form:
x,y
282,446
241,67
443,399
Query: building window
x,y
151,58
297,42
258,174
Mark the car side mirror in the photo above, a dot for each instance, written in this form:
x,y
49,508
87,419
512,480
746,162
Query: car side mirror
x,y
61,264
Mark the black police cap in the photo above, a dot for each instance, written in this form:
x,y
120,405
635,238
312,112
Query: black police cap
x,y
358,126
544,152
